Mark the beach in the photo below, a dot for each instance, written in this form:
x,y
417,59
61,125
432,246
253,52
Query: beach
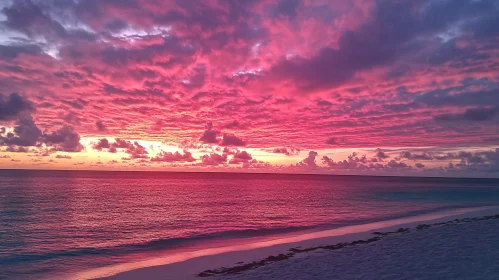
x,y
451,251
459,244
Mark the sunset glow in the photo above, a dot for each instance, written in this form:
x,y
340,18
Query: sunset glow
x,y
335,87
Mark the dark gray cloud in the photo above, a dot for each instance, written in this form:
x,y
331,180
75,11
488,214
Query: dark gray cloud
x,y
102,144
78,104
332,141
241,157
28,18
25,133
309,161
100,126
31,19
13,51
353,162
12,106
412,156
64,139
419,165
210,135
473,114
232,140
213,159
442,98
397,164
116,25
380,154
134,149
63,157
324,103
17,149
395,29
72,118
236,125
171,46
286,151
356,162
287,7
197,79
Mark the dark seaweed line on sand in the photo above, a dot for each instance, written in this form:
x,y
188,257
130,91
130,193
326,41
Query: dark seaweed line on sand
x,y
293,251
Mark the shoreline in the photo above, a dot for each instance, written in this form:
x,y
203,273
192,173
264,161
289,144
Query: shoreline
x,y
243,257
297,250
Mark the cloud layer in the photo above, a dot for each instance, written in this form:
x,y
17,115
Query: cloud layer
x,y
288,82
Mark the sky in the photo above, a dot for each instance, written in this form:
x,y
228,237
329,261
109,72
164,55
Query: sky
x,y
400,87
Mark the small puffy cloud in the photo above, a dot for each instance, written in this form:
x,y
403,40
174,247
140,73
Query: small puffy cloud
x,y
471,162
309,161
232,140
419,165
356,162
396,164
286,151
17,149
101,144
134,149
173,157
213,159
241,157
412,156
230,151
353,162
209,136
63,156
137,151
380,154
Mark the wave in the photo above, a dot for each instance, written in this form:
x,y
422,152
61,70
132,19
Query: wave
x,y
151,245
176,242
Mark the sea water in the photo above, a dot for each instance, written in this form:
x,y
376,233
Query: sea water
x,y
55,223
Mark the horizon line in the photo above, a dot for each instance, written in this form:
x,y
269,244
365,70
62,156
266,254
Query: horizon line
x,y
256,173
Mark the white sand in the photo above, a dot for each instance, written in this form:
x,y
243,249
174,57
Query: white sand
x,y
463,251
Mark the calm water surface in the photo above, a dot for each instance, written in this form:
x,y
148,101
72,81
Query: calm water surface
x,y
58,222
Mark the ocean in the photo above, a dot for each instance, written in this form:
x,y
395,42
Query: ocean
x,y
61,223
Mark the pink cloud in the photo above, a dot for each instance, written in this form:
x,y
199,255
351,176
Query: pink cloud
x,y
311,75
